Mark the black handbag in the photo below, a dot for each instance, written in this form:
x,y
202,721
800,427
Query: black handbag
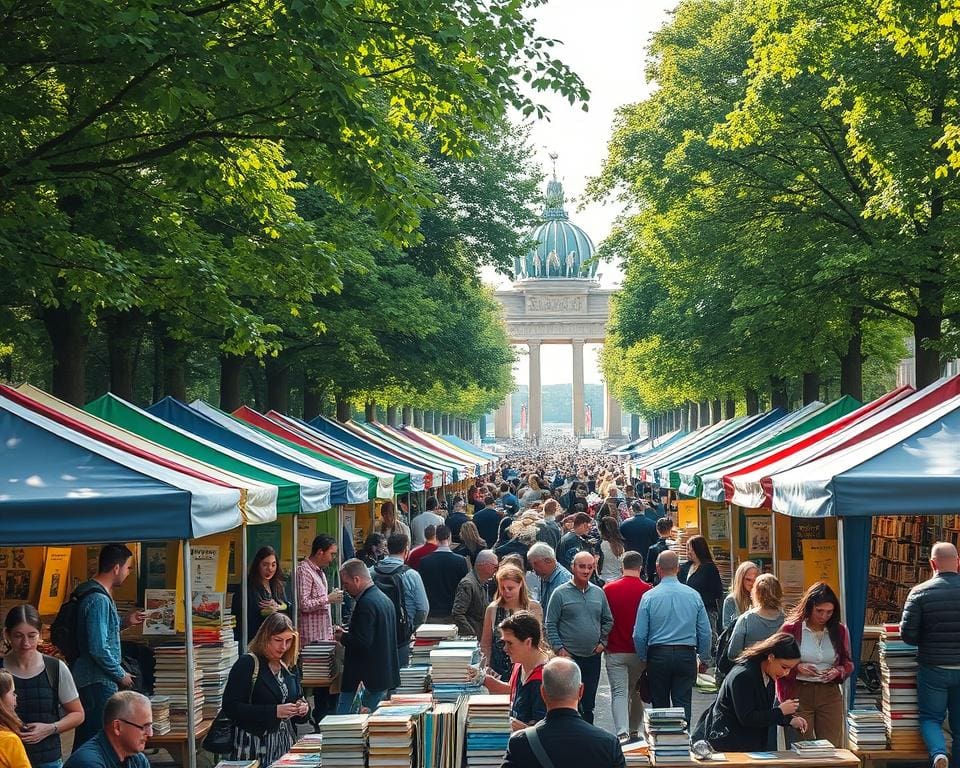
x,y
219,739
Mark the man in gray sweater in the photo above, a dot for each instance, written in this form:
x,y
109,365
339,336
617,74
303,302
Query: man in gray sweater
x,y
578,623
931,621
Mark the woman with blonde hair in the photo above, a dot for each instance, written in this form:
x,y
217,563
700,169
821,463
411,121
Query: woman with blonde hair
x,y
470,541
12,752
737,600
763,620
263,697
511,596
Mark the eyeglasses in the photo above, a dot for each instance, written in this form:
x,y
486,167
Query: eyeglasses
x,y
146,727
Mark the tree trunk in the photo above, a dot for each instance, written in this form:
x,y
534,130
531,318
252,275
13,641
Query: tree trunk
x,y
370,412
69,334
123,331
851,363
277,371
729,408
407,416
704,409
693,415
811,387
312,399
634,426
715,412
429,417
343,409
174,367
157,361
778,393
927,332
418,418
483,427
231,369
753,401
392,416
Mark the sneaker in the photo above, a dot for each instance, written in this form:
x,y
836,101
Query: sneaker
x,y
940,761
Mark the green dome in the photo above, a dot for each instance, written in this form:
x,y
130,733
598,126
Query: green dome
x,y
562,249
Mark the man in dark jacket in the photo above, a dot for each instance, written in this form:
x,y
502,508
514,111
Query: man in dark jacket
x,y
371,655
664,527
931,621
487,521
567,739
441,572
639,532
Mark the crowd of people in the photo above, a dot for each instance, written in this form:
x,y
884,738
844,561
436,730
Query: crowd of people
x,y
562,570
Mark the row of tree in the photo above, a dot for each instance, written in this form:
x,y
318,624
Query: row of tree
x,y
279,202
792,203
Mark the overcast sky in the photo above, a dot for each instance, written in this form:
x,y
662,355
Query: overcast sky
x,y
604,41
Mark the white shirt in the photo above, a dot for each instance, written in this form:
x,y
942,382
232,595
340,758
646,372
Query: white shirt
x,y
816,648
419,523
612,567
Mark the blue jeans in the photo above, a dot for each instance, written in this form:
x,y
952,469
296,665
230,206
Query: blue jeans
x,y
369,699
672,671
938,690
93,697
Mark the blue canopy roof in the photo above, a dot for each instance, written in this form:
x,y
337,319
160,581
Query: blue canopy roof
x,y
471,448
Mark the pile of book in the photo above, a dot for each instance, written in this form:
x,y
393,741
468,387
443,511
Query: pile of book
x,y
426,638
414,679
160,715
636,753
298,760
308,744
815,749
215,647
391,733
898,675
668,737
488,729
453,670
680,538
316,662
171,682
442,735
344,740
866,728
238,764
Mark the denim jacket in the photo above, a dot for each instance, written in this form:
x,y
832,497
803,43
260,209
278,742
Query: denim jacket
x,y
99,641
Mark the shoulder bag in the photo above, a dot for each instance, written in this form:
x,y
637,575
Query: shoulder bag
x,y
219,739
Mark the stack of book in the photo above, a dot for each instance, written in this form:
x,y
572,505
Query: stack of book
x,y
443,734
426,638
344,740
668,737
308,744
409,699
238,764
160,714
680,538
392,733
488,729
452,674
414,679
866,728
898,675
316,662
171,682
215,647
636,753
298,760
815,749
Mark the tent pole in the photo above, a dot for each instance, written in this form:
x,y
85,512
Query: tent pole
x,y
842,574
293,570
773,543
338,608
244,587
186,557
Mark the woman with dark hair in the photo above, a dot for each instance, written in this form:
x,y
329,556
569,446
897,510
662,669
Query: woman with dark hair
x,y
741,717
266,591
390,523
612,547
44,688
700,573
522,636
825,662
263,697
374,549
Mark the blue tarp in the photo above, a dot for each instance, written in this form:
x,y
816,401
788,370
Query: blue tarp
x,y
174,412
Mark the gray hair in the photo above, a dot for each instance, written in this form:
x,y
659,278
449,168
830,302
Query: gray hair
x,y
561,679
354,569
668,561
541,551
486,556
122,704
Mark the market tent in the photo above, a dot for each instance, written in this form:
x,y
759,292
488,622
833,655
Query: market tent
x,y
441,447
711,478
56,481
380,484
688,475
345,487
432,477
258,501
644,444
454,470
293,495
745,486
407,476
470,448
643,465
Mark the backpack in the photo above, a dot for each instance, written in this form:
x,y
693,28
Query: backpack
x,y
391,584
65,630
724,662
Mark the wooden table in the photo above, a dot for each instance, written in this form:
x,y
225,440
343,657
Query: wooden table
x,y
878,758
784,759
175,742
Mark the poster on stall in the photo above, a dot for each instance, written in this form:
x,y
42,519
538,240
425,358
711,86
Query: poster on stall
x,y
56,580
208,571
306,532
159,609
820,562
155,565
758,536
801,529
265,535
688,513
718,528
205,560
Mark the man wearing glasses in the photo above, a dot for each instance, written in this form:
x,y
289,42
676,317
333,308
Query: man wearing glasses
x,y
127,724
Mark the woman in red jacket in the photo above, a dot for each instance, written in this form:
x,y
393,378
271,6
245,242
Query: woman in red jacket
x,y
825,662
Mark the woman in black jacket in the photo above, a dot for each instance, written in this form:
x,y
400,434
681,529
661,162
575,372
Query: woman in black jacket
x,y
266,593
701,574
263,697
741,717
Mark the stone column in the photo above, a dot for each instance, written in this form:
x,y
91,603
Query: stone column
x,y
579,416
535,407
503,421
612,415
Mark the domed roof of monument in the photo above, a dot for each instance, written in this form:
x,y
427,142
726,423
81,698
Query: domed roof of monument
x,y
562,248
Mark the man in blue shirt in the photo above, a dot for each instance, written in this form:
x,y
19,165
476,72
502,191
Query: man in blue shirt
x,y
672,628
127,724
639,532
97,671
